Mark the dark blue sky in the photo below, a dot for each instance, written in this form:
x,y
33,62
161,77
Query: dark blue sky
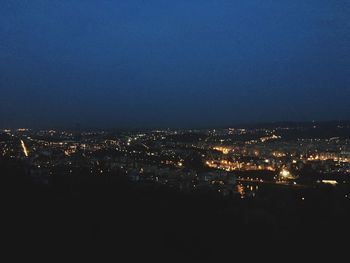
x,y
173,63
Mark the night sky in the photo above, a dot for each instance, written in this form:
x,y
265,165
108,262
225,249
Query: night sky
x,y
183,63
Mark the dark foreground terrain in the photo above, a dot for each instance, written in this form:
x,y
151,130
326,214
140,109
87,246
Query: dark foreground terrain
x,y
79,217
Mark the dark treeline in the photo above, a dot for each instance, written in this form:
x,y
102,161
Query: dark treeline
x,y
106,215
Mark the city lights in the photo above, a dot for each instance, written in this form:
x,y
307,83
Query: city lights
x,y
25,151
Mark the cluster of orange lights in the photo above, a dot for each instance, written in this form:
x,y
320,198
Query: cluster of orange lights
x,y
278,154
237,166
325,158
224,150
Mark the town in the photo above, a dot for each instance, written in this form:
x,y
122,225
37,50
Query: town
x,y
237,162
